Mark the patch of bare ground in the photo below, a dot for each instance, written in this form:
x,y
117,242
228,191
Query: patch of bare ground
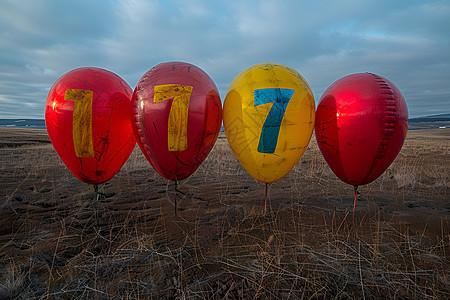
x,y
59,241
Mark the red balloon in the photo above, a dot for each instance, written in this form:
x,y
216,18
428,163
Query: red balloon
x,y
88,120
361,124
177,118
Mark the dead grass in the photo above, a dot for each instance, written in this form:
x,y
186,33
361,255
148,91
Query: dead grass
x,y
58,242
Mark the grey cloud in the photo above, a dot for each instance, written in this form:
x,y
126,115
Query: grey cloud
x,y
405,41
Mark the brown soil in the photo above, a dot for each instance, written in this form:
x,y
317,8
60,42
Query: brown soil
x,y
57,240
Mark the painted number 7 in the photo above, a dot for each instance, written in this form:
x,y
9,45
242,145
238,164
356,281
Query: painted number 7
x,y
178,116
271,128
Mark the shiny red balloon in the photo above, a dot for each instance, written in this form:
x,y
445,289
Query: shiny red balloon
x,y
361,124
88,120
177,118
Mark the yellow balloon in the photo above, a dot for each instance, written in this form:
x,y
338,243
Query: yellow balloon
x,y
268,117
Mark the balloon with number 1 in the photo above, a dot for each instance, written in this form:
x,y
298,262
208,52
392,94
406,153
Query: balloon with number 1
x,y
88,120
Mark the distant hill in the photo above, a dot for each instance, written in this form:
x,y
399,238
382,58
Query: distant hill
x,y
434,118
23,123
430,122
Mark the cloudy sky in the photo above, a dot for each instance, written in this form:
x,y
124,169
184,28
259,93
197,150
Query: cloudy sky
x,y
406,41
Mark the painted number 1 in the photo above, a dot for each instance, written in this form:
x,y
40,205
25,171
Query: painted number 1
x,y
271,128
82,121
178,116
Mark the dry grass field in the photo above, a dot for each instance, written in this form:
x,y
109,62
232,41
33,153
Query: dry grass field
x,y
58,241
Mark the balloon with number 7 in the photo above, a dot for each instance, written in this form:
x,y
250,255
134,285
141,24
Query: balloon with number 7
x,y
268,118
177,114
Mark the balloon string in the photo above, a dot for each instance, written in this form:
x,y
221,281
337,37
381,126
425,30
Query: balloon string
x,y
265,201
176,188
96,192
98,195
355,187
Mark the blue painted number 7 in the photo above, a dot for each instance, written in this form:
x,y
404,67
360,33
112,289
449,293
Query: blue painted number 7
x,y
271,128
